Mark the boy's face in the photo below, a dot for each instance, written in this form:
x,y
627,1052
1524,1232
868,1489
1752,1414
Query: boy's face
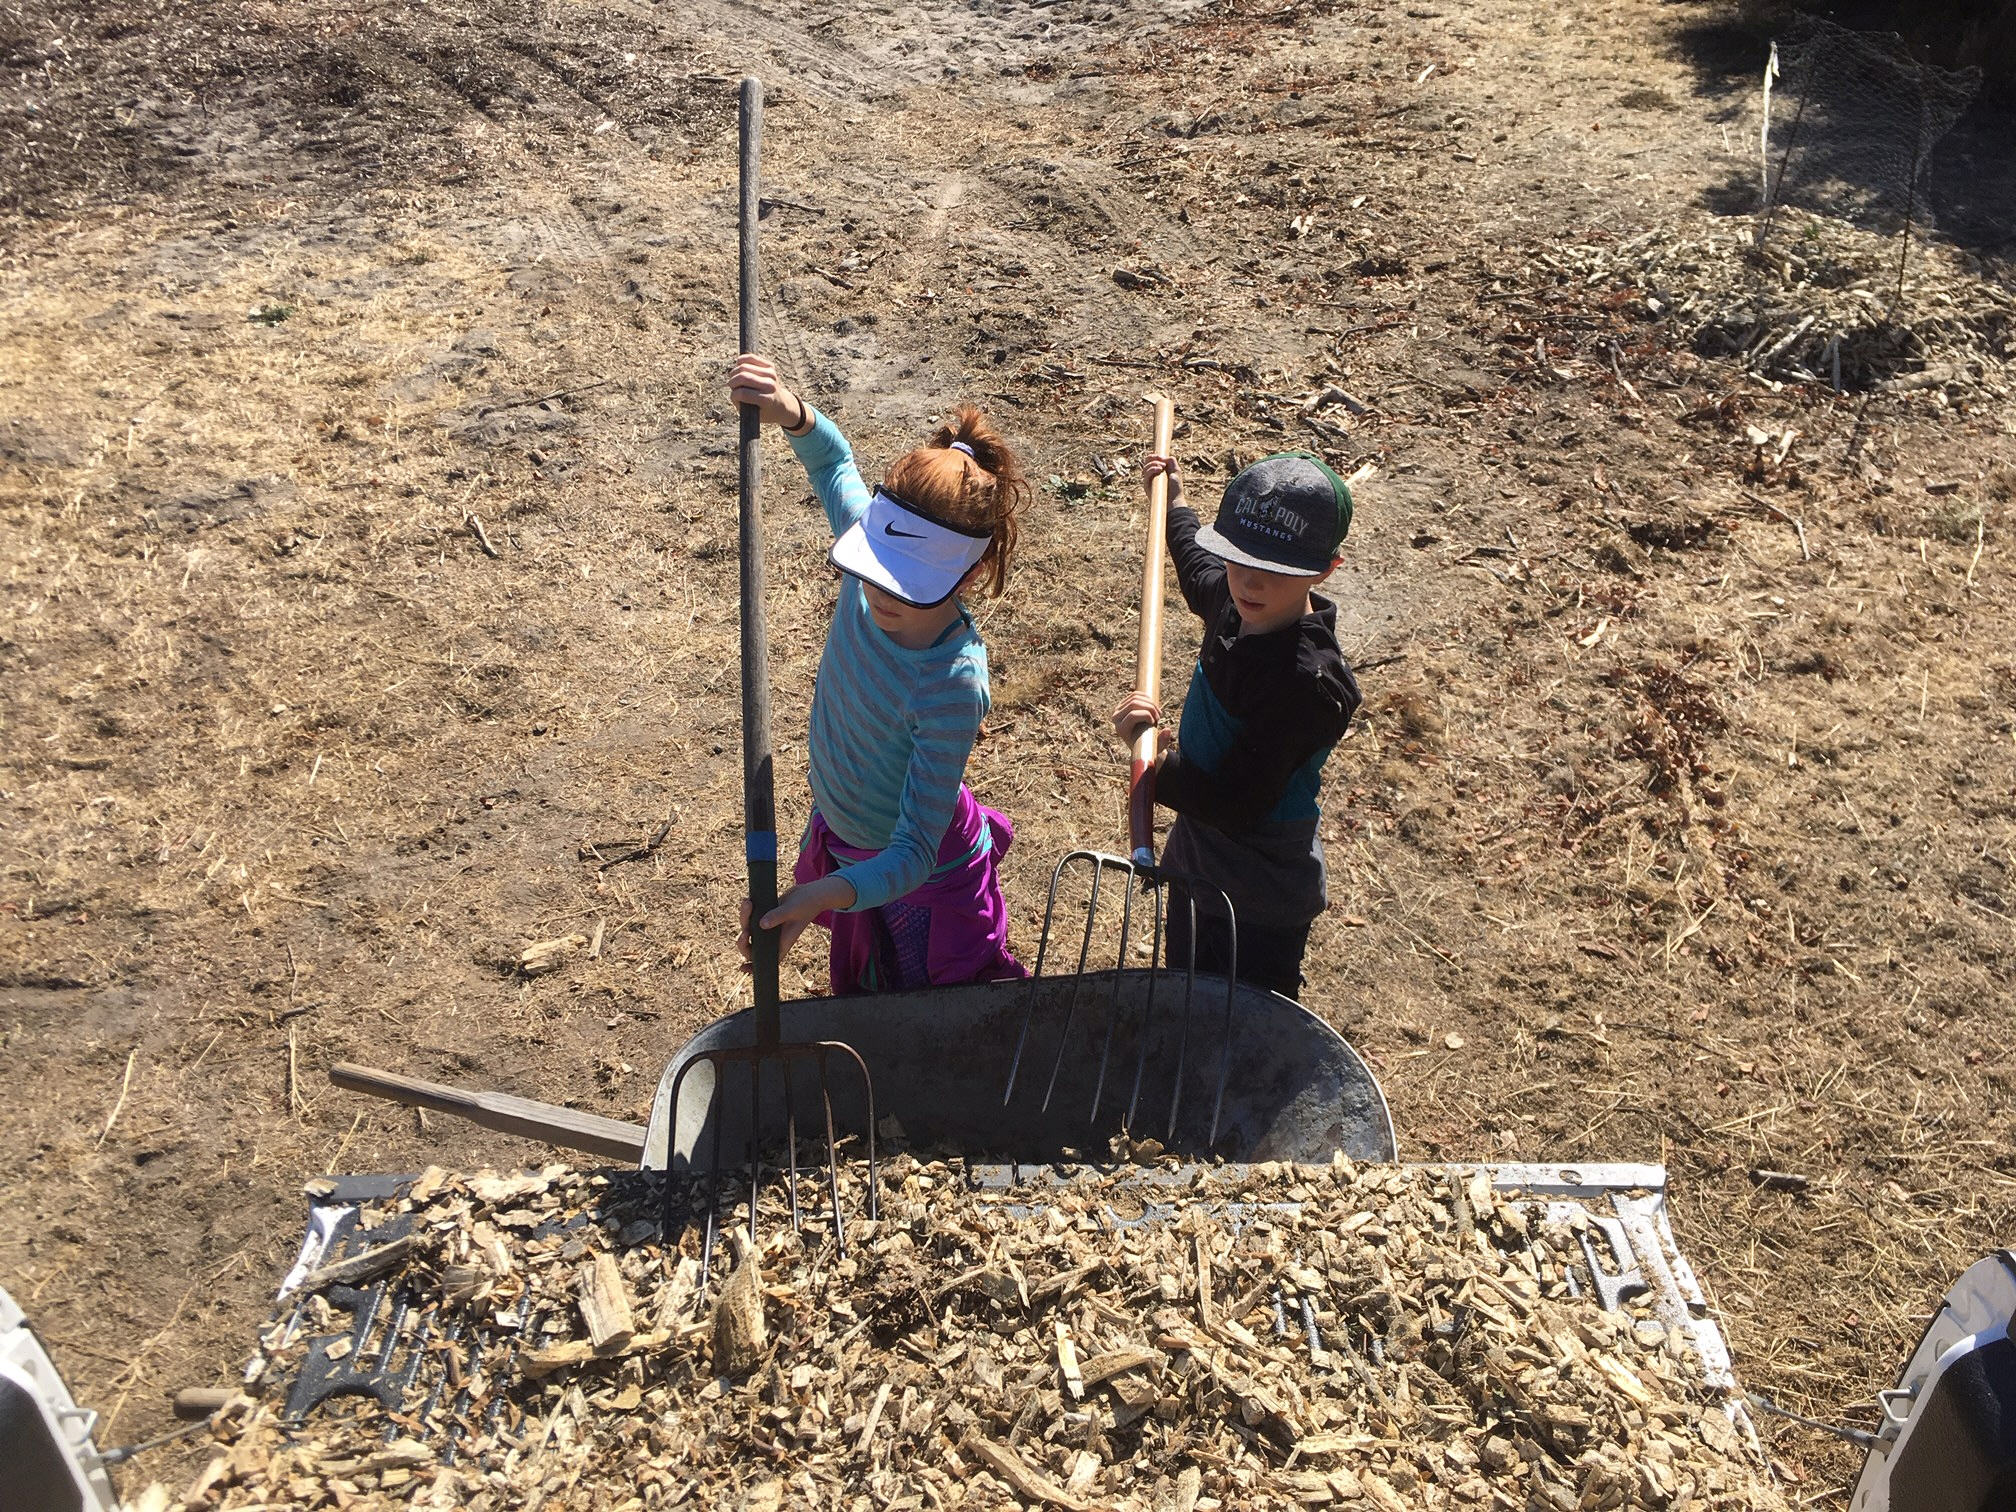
x,y
1267,600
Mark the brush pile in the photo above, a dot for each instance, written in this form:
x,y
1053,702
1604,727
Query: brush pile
x,y
1379,1337
1814,300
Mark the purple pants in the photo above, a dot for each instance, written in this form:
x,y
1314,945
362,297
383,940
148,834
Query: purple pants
x,y
953,928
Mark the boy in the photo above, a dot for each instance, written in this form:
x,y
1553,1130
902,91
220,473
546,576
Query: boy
x,y
1271,694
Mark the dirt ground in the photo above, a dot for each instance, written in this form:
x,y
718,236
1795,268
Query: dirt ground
x,y
1678,826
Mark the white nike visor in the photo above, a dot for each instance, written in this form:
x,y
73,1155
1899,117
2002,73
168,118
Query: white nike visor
x,y
908,554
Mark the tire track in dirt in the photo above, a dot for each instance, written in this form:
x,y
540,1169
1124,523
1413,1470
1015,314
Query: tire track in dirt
x,y
1090,180
824,69
568,236
782,336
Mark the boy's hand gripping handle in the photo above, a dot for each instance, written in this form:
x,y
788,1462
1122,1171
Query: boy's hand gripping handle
x,y
759,789
1148,654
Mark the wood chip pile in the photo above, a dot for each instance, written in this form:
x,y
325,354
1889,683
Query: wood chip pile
x,y
1819,302
1380,1337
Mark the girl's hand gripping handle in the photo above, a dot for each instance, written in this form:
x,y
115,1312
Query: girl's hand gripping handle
x,y
1148,654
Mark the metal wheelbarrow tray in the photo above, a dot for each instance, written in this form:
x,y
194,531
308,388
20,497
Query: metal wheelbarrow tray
x,y
1292,1087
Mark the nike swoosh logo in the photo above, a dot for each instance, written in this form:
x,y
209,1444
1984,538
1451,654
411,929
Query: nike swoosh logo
x,y
908,535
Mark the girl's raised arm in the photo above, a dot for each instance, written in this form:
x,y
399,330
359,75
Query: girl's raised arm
x,y
817,442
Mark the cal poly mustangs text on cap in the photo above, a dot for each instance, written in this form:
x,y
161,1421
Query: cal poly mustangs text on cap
x,y
1286,513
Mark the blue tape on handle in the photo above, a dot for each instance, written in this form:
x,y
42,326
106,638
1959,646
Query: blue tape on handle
x,y
760,845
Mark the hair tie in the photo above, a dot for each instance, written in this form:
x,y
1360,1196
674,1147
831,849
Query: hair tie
x,y
961,446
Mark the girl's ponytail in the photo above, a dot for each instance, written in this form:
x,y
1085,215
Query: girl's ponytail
x,y
977,484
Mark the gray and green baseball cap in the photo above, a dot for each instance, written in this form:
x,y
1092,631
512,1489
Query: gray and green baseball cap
x,y
1286,513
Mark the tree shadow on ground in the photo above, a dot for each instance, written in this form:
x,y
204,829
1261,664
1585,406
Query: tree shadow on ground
x,y
1971,179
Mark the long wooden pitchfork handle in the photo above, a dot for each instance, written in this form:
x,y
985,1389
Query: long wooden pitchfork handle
x,y
1148,654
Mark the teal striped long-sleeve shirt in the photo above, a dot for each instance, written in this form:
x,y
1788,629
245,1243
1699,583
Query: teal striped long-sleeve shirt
x,y
891,727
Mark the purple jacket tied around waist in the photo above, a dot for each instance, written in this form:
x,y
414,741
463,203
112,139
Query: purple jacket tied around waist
x,y
951,929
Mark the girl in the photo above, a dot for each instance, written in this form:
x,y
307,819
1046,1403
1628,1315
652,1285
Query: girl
x,y
899,861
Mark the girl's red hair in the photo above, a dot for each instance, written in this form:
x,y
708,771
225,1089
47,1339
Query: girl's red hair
x,y
985,491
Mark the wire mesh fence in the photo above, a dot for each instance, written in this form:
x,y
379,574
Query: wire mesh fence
x,y
1849,130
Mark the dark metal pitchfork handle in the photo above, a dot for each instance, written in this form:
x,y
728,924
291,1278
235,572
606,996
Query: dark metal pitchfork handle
x,y
759,785
759,811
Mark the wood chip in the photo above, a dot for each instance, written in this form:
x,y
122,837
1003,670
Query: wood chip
x,y
1067,1363
1023,1481
368,1266
1292,1351
606,1309
549,955
739,1328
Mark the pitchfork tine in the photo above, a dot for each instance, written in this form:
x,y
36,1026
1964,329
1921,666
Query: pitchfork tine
x,y
1035,977
791,1138
1183,1032
1148,1010
1231,988
713,1190
833,1163
1113,1019
868,1092
1077,977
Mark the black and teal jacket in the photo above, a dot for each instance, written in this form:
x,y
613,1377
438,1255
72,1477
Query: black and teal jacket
x,y
1260,718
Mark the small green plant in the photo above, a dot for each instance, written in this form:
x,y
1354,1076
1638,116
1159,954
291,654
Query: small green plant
x,y
269,314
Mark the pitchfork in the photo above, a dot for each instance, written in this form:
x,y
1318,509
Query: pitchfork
x,y
759,806
1159,887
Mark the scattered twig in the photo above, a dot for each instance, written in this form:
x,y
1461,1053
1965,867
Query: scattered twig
x,y
1805,554
357,1269
1780,1181
657,839
492,409
124,1082
343,1144
1624,383
874,1417
475,527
